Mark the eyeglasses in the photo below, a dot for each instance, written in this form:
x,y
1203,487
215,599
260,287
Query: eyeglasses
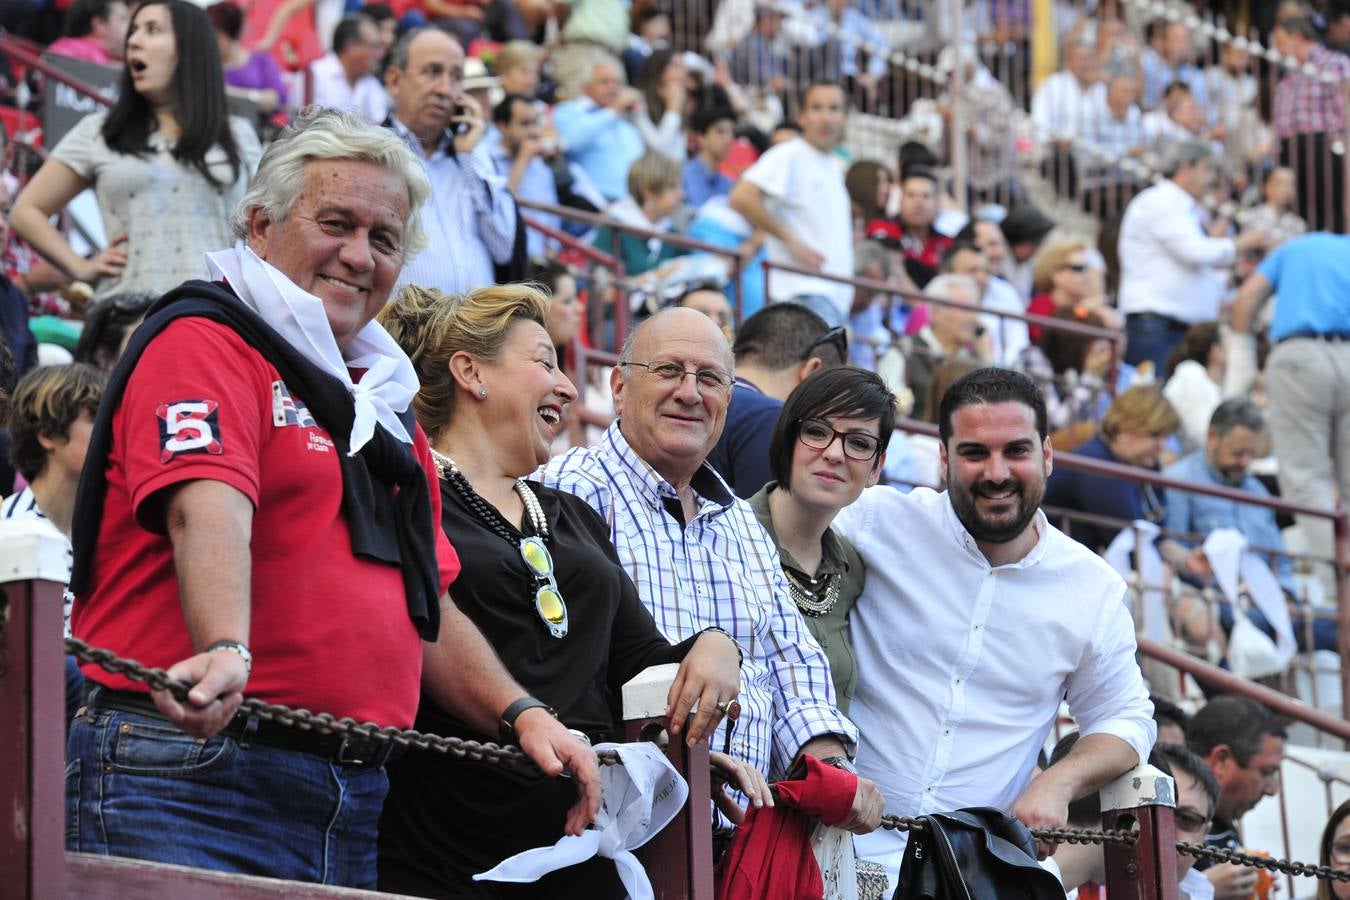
x,y
819,435
548,601
710,379
835,337
1190,821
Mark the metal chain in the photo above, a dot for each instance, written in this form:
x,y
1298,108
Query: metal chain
x,y
1049,835
327,723
321,723
1288,867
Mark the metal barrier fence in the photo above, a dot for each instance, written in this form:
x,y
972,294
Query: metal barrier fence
x,y
1138,835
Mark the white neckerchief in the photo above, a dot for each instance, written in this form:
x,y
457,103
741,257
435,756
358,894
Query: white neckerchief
x,y
639,798
389,382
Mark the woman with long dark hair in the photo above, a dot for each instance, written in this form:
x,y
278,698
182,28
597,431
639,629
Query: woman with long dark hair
x,y
663,82
167,162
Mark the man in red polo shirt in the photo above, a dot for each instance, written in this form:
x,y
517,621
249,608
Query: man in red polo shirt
x,y
257,516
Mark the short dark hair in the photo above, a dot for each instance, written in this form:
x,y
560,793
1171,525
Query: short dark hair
x,y
501,113
917,153
786,125
1237,412
708,116
820,83
1238,722
841,391
1165,711
546,272
82,13
348,31
105,324
918,170
1181,759
949,255
1195,344
780,335
992,385
378,12
227,18
46,402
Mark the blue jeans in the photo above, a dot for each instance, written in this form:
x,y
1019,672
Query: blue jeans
x,y
74,690
136,786
1150,337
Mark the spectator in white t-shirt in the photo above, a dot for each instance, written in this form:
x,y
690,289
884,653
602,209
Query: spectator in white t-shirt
x,y
795,193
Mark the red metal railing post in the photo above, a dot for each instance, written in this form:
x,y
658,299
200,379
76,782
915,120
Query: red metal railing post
x,y
1141,799
32,708
678,860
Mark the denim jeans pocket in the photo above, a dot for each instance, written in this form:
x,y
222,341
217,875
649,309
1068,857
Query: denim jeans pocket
x,y
146,748
73,805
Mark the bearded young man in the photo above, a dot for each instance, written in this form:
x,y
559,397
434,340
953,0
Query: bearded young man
x,y
977,618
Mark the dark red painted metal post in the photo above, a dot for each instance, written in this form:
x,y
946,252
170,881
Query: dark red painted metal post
x,y
1142,800
679,859
32,710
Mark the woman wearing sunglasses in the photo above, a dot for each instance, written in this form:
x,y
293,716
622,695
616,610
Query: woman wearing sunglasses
x,y
829,444
543,583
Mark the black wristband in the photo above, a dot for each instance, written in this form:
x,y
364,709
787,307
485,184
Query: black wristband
x,y
506,725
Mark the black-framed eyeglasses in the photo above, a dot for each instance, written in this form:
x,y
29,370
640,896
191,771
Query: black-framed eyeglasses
x,y
819,435
1190,821
708,379
836,337
548,601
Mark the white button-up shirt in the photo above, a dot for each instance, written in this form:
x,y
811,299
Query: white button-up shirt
x,y
1167,262
366,98
1064,107
962,665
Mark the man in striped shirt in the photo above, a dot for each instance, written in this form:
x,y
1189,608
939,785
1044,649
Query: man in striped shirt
x,y
698,555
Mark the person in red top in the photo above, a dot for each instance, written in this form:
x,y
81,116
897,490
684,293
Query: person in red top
x,y
912,232
257,516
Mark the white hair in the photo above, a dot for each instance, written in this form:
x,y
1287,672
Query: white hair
x,y
327,134
944,286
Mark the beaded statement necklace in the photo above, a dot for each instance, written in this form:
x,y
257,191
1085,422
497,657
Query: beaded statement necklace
x,y
548,601
814,596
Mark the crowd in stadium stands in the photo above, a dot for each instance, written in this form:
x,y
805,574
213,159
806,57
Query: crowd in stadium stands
x,y
415,219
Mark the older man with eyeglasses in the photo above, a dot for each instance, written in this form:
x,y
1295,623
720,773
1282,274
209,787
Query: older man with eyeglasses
x,y
776,349
698,555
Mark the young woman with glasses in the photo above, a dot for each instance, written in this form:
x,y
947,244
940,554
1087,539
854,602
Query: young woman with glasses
x,y
829,444
543,583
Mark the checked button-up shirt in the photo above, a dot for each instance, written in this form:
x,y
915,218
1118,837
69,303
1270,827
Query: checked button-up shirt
x,y
721,569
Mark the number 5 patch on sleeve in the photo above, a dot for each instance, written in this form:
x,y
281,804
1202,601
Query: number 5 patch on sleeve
x,y
188,426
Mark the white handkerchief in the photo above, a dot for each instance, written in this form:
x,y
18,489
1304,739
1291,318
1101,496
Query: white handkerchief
x,y
389,382
1121,556
1226,549
639,798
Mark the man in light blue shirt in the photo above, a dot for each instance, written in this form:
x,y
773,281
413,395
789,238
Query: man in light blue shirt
x,y
1307,372
1235,432
470,217
845,29
595,130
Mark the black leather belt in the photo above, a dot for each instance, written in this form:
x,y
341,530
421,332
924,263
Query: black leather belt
x,y
348,750
1334,337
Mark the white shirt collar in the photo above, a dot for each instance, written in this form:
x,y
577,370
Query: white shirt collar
x,y
964,539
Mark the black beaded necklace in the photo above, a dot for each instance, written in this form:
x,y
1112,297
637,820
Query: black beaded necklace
x,y
548,601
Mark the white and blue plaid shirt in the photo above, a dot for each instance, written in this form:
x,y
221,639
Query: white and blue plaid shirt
x,y
721,569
